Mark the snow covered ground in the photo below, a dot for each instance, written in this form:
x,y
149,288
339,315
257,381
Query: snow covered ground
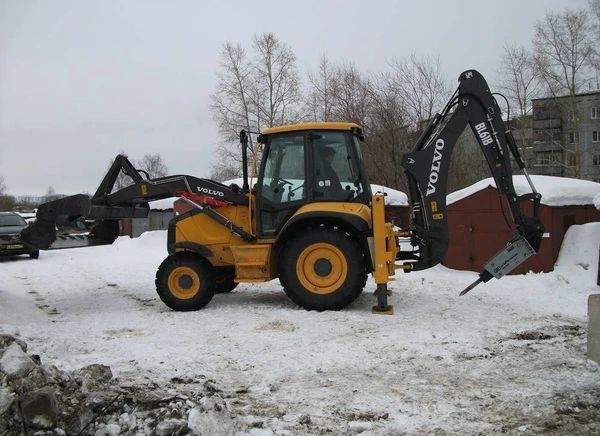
x,y
509,357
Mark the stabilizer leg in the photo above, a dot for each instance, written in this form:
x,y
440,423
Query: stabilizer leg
x,y
382,307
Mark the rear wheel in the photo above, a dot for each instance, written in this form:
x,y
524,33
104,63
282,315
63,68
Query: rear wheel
x,y
323,269
185,281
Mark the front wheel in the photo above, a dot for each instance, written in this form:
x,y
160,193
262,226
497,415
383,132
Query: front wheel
x,y
35,254
323,269
185,281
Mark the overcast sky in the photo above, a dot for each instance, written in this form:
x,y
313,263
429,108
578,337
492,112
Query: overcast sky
x,y
82,80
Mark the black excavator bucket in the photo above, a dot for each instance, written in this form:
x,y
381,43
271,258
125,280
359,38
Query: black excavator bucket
x,y
44,234
108,205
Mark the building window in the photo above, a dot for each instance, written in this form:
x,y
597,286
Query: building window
x,y
596,136
573,137
556,136
594,112
572,160
547,159
596,160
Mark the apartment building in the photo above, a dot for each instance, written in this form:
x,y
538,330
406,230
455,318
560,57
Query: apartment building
x,y
564,129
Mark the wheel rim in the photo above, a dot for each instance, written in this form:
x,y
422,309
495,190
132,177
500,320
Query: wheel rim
x,y
184,282
322,268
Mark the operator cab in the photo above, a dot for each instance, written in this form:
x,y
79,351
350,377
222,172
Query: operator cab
x,y
308,163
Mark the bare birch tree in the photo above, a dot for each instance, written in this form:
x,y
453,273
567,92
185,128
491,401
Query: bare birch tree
x,y
153,165
519,82
564,55
351,96
253,94
421,86
319,102
595,18
389,134
231,104
277,83
595,12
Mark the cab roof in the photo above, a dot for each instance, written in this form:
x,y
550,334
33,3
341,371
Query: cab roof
x,y
310,126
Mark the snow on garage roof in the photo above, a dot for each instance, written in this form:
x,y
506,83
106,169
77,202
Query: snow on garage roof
x,y
597,201
556,191
164,204
393,197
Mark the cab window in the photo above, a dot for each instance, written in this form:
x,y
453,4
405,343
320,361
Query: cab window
x,y
336,174
284,179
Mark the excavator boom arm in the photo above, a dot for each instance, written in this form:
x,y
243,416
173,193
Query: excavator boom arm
x,y
427,168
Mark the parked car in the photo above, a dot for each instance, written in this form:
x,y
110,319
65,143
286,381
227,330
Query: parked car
x,y
11,225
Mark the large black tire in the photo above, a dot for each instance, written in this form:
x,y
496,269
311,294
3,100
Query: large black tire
x,y
35,254
322,269
224,278
185,281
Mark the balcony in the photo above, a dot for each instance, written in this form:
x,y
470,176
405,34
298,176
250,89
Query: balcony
x,y
552,146
548,124
547,169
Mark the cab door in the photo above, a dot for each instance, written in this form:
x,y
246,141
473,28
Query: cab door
x,y
282,189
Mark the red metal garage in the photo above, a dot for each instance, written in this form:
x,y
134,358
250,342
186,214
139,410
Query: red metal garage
x,y
478,229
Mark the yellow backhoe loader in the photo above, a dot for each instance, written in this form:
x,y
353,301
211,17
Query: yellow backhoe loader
x,y
310,219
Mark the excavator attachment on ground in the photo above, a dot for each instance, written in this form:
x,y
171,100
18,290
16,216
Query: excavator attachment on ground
x,y
310,219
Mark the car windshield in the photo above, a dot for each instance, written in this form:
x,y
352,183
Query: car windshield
x,y
11,220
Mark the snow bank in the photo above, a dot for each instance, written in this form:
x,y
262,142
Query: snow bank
x,y
556,191
597,201
578,256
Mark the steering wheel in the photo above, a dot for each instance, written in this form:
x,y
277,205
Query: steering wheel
x,y
350,195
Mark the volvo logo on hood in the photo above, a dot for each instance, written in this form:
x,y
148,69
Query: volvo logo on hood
x,y
210,192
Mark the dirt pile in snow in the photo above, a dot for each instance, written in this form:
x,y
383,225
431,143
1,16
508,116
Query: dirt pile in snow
x,y
42,400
